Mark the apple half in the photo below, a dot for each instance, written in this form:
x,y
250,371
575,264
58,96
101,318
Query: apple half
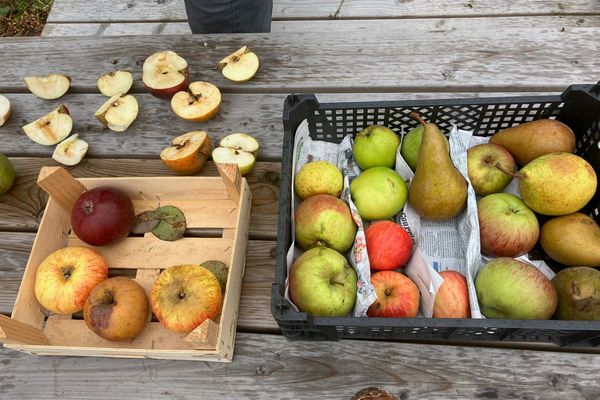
x,y
70,151
118,112
165,73
4,110
199,103
188,153
240,66
48,87
52,128
115,82
237,148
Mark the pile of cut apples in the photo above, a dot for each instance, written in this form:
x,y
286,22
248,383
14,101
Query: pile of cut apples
x,y
165,74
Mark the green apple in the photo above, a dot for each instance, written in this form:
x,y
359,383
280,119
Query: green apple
x,y
7,174
511,289
324,221
507,227
318,177
486,163
322,283
375,146
410,146
378,193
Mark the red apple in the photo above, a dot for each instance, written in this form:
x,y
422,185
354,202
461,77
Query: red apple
x,y
102,215
397,296
507,227
66,277
165,73
116,309
389,246
452,298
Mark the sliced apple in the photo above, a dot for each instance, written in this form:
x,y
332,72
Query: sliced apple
x,y
199,103
118,112
240,66
165,73
70,151
51,128
48,87
4,110
188,153
238,148
115,82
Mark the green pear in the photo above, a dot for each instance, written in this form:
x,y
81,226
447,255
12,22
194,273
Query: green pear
x,y
572,239
533,139
7,174
511,289
578,291
375,146
378,193
438,191
410,146
557,183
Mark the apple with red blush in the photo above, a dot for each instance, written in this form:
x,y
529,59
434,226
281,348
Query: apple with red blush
x,y
452,297
397,296
389,246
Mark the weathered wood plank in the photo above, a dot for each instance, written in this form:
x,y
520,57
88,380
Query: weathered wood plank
x,y
174,10
178,28
271,367
476,54
254,313
22,207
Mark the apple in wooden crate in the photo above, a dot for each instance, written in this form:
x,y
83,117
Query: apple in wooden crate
x,y
66,277
48,87
199,103
5,110
118,112
188,153
397,296
52,128
452,297
240,66
165,73
115,82
116,309
102,216
184,296
389,246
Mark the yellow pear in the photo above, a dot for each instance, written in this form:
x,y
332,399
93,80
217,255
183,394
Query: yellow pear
x,y
572,239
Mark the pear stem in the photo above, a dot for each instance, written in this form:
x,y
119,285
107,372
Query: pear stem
x,y
513,174
417,118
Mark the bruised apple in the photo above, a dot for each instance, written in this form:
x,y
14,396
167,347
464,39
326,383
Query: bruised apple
x,y
188,153
452,298
66,277
116,309
51,128
102,216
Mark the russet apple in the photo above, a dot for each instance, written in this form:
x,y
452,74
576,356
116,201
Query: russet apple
x,y
318,177
486,163
397,296
389,246
324,221
48,87
507,227
116,309
375,146
378,193
452,297
199,103
188,152
511,289
184,296
322,283
102,216
66,277
165,73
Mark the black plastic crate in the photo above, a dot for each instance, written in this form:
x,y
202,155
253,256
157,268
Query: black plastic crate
x,y
578,107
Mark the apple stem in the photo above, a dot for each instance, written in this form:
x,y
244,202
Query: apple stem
x,y
417,118
513,174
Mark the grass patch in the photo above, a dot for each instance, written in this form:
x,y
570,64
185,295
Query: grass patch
x,y
23,17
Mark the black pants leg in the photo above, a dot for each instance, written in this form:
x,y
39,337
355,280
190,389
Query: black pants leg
x,y
229,16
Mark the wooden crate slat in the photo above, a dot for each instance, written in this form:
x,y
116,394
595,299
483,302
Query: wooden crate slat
x,y
152,253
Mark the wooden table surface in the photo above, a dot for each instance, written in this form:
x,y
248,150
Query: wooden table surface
x,y
350,60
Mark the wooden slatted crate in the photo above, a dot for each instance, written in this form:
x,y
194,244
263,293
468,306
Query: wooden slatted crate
x,y
219,206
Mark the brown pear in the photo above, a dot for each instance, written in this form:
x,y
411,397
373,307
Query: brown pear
x,y
578,290
572,239
530,140
438,191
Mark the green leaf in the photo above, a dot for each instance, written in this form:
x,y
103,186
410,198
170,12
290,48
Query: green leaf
x,y
5,10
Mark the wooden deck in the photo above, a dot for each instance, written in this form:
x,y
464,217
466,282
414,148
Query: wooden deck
x,y
372,50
